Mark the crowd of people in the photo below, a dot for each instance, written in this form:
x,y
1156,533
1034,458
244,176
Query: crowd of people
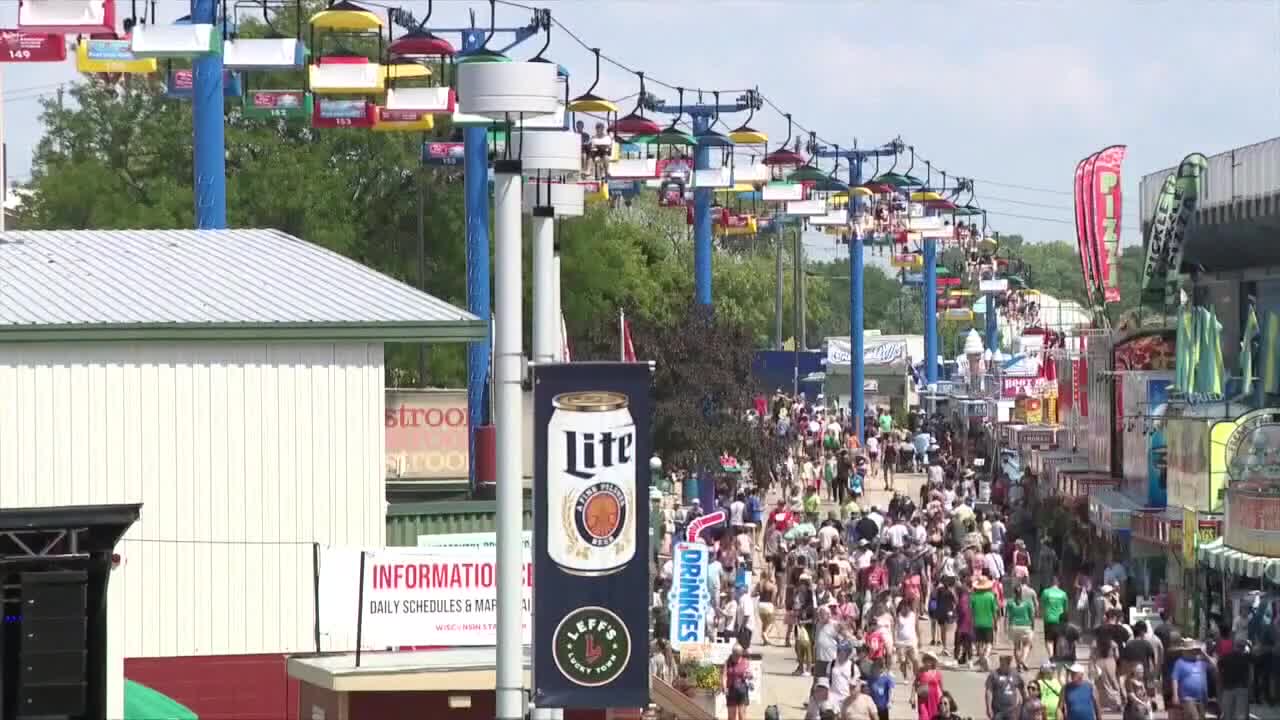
x,y
870,597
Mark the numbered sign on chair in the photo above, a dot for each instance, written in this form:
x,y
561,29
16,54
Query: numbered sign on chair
x,y
19,46
330,113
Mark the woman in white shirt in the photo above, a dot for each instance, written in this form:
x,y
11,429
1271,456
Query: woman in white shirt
x,y
843,674
906,639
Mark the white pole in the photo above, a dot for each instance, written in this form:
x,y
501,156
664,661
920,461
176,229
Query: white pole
x,y
558,310
508,415
546,322
622,336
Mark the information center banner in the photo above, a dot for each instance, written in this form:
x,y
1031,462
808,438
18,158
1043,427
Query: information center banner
x,y
591,514
413,597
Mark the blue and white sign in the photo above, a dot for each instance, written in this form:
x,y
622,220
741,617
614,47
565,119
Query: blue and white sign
x,y
689,599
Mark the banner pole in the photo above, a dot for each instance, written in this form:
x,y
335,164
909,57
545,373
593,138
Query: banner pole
x,y
315,588
360,611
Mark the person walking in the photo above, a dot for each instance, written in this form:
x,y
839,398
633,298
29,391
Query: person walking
x,y
737,680
1235,669
1049,689
1192,676
1079,699
964,636
1020,614
927,695
1004,691
890,464
880,686
985,606
1053,606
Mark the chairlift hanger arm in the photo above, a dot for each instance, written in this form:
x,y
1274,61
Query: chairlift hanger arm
x,y
661,106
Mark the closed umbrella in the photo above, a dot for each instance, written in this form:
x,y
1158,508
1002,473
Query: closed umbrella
x,y
1246,350
1271,341
1208,372
1184,352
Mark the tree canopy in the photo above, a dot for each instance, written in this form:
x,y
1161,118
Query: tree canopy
x,y
119,156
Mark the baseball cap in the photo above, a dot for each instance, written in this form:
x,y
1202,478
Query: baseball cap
x,y
823,683
1076,668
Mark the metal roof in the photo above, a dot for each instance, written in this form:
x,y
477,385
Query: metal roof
x,y
60,285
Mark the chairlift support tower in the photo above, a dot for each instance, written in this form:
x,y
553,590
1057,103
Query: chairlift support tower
x,y
857,317
702,115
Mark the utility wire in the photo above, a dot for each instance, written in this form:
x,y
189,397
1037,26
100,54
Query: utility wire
x,y
19,95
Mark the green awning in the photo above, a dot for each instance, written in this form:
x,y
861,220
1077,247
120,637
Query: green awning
x,y
143,703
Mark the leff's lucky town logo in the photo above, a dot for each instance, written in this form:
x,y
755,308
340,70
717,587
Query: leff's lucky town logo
x,y
592,646
1253,451
591,473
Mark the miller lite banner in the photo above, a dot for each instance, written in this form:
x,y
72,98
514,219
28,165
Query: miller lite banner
x,y
591,546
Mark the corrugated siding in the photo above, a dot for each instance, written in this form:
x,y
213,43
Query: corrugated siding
x,y
406,521
55,277
242,455
1247,172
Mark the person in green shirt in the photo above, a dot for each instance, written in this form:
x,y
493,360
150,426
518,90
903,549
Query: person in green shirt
x,y
1050,688
1053,604
886,422
1020,614
811,504
982,601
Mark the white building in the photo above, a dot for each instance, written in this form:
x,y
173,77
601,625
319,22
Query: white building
x,y
232,383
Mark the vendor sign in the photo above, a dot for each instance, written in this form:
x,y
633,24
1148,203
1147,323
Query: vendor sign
x,y
412,597
689,598
1253,522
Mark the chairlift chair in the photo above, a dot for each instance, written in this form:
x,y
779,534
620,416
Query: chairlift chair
x,y
345,72
67,17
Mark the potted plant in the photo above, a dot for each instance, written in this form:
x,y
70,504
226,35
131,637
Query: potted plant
x,y
701,681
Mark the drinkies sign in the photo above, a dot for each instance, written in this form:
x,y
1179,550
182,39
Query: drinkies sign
x,y
426,435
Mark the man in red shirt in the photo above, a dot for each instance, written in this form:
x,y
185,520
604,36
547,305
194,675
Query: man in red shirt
x,y
781,517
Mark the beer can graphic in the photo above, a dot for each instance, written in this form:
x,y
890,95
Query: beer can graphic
x,y
591,483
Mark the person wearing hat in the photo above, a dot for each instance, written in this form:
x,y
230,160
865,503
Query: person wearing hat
x,y
927,688
805,613
736,679
1048,689
1079,699
819,700
982,600
1192,677
879,685
842,673
859,705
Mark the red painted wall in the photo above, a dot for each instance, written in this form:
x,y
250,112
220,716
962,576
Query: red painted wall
x,y
222,687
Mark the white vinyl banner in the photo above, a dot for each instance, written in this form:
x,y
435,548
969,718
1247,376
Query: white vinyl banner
x,y
413,597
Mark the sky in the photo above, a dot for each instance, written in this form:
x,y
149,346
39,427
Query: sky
x,y
1012,94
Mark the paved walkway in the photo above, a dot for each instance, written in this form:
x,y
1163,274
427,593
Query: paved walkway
x,y
790,693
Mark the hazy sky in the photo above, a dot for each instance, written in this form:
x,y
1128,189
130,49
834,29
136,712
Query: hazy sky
x,y
1010,93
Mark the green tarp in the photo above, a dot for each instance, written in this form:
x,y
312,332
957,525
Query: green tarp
x,y
143,703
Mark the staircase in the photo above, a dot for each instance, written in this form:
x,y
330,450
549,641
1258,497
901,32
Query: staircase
x,y
674,703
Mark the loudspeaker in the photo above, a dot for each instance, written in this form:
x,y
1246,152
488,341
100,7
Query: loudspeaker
x,y
53,635
52,655
53,668
43,701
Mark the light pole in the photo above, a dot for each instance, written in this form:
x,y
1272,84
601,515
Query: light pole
x,y
512,91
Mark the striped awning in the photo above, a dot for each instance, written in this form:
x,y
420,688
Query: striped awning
x,y
1217,555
